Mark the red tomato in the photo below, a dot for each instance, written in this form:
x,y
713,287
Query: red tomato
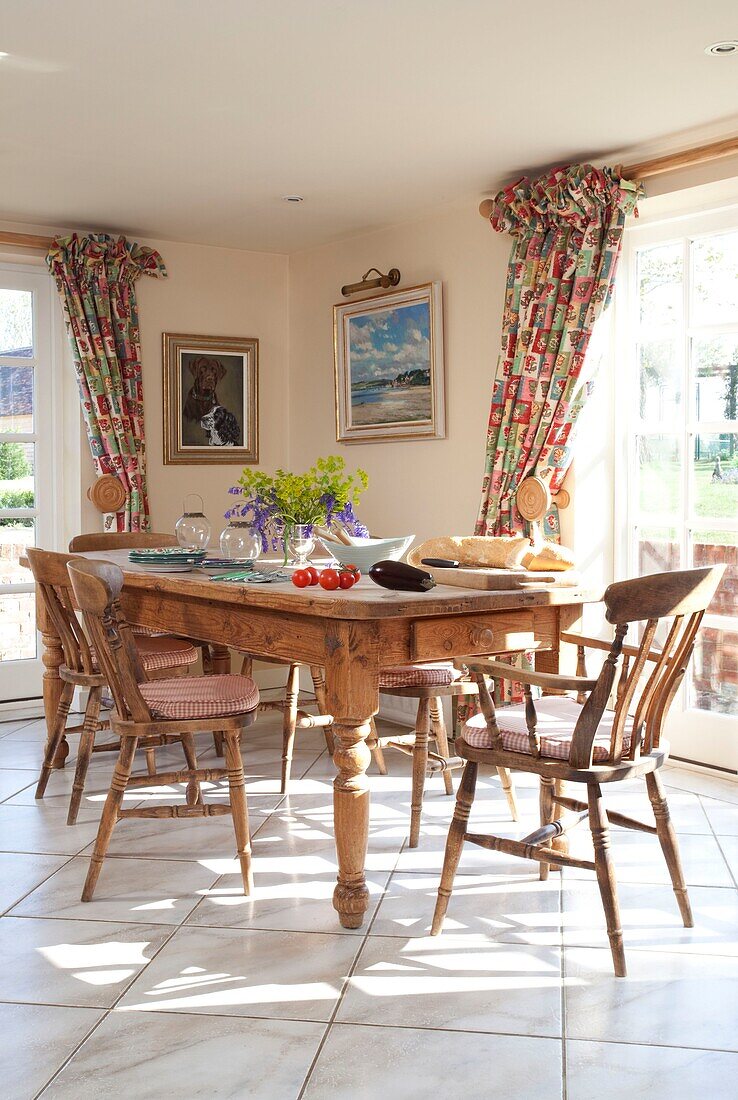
x,y
301,578
314,574
346,579
329,579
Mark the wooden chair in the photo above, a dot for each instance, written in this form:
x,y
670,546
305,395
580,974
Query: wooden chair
x,y
583,742
160,713
159,657
429,684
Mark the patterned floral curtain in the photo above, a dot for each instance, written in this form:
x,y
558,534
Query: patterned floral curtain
x,y
95,277
567,228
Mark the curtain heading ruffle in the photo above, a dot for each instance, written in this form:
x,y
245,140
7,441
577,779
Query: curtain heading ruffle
x,y
85,254
579,196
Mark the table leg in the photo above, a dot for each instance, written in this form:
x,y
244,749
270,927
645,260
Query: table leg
x,y
51,658
221,658
352,698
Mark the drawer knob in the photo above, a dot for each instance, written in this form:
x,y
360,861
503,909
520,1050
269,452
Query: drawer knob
x,y
482,637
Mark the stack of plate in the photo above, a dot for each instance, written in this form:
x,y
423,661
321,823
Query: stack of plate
x,y
167,559
223,565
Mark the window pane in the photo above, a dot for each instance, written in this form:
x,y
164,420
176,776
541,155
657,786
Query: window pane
x,y
15,536
660,284
660,380
715,473
660,474
16,322
16,475
715,548
715,671
16,398
715,279
658,550
715,371
17,626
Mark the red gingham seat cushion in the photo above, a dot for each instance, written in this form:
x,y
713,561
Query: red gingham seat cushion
x,y
145,631
164,651
557,716
435,674
194,697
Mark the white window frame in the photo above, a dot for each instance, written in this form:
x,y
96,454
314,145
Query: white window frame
x,y
58,453
698,736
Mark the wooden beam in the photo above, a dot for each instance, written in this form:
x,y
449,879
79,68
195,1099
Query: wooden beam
x,y
656,166
26,240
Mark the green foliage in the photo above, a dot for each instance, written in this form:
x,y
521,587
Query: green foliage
x,y
306,498
16,498
13,463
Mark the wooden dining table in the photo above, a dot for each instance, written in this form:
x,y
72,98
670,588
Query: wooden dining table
x,y
353,635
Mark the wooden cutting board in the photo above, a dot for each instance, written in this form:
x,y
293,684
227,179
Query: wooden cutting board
x,y
496,579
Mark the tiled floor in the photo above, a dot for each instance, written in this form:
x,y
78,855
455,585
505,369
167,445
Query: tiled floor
x,y
171,983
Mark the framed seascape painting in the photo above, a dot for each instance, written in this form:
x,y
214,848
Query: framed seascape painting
x,y
388,359
211,399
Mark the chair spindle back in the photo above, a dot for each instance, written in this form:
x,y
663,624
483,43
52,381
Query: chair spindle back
x,y
50,574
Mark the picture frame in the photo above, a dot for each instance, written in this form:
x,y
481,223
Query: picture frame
x,y
211,399
388,364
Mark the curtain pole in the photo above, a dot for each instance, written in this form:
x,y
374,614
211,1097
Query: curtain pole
x,y
670,162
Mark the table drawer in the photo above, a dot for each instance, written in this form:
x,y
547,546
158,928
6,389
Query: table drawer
x,y
493,632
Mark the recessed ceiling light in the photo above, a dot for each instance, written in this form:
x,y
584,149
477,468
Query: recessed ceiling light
x,y
719,49
3,54
292,198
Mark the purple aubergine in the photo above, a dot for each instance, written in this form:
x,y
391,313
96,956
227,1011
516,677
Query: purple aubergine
x,y
400,577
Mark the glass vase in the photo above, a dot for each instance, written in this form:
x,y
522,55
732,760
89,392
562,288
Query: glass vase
x,y
300,543
241,540
192,528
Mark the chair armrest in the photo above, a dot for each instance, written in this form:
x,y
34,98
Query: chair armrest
x,y
550,680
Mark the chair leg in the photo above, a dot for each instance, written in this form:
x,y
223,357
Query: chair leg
x,y
438,726
84,752
455,843
548,811
60,723
668,840
118,784
420,767
247,665
193,793
376,748
239,807
319,688
151,761
218,742
509,788
289,723
605,869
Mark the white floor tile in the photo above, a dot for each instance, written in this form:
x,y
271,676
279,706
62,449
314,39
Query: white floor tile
x,y
232,972
723,816
465,983
20,873
714,786
729,848
42,828
138,891
35,1040
13,781
24,755
638,858
363,1063
668,998
610,1071
65,962
167,1056
650,918
521,911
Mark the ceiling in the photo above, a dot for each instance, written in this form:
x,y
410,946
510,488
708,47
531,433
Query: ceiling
x,y
188,120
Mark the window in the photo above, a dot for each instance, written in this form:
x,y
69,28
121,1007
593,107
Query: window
x,y
26,468
681,441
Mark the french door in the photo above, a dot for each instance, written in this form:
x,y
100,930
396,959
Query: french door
x,y
26,468
680,390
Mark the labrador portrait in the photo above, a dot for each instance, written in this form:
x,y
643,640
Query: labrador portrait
x,y
210,399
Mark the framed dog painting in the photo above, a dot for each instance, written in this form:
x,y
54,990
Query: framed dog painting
x,y
211,399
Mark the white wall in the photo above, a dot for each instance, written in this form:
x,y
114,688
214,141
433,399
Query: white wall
x,y
429,487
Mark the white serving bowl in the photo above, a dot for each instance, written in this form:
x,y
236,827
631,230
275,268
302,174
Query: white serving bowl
x,y
364,553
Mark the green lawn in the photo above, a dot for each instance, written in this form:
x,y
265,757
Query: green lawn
x,y
661,484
